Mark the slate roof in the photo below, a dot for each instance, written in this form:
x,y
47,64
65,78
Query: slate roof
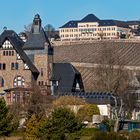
x,y
65,74
134,22
93,18
71,24
17,44
36,41
92,97
113,23
11,33
90,18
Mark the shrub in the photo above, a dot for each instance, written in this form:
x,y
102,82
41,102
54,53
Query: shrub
x,y
88,131
109,124
107,136
86,112
134,135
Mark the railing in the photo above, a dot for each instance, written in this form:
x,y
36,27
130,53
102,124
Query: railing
x,y
71,42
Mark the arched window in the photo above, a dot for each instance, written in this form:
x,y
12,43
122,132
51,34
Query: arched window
x,y
1,82
19,81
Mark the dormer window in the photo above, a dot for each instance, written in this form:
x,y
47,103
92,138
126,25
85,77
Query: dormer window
x,y
55,83
18,56
77,86
26,67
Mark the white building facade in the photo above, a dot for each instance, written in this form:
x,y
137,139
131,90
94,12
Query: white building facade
x,y
91,27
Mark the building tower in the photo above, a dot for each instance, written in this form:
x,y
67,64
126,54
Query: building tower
x,y
36,26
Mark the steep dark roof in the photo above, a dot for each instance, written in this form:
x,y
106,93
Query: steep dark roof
x,y
66,75
17,44
70,24
74,23
36,41
113,23
90,18
11,33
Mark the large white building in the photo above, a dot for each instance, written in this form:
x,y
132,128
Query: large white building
x,y
91,27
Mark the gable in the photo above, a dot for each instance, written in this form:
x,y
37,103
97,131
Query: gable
x,y
7,45
69,79
11,39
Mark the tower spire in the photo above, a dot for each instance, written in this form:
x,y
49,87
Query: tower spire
x,y
36,24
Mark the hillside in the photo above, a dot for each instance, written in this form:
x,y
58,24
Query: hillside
x,y
84,56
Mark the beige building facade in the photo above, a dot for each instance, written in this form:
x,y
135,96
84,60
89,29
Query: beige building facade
x,y
91,27
26,66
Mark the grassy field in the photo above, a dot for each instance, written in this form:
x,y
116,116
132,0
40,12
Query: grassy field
x,y
11,138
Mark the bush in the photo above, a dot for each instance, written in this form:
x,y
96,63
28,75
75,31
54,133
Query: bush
x,y
109,124
107,136
88,131
134,135
86,112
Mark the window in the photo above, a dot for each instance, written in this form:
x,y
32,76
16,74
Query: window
x,y
19,81
8,53
36,22
12,53
2,66
40,83
55,83
1,82
42,72
4,53
14,66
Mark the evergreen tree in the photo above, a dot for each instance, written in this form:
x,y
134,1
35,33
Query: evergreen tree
x,y
31,128
61,122
6,124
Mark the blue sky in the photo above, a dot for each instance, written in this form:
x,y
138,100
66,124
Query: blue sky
x,y
14,14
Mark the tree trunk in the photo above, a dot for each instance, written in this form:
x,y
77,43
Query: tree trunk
x,y
116,125
117,114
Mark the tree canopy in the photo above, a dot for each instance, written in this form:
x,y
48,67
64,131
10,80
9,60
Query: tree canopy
x,y
64,101
86,112
6,125
61,122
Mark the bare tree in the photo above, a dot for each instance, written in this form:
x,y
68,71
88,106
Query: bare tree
x,y
27,28
101,34
112,77
49,29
